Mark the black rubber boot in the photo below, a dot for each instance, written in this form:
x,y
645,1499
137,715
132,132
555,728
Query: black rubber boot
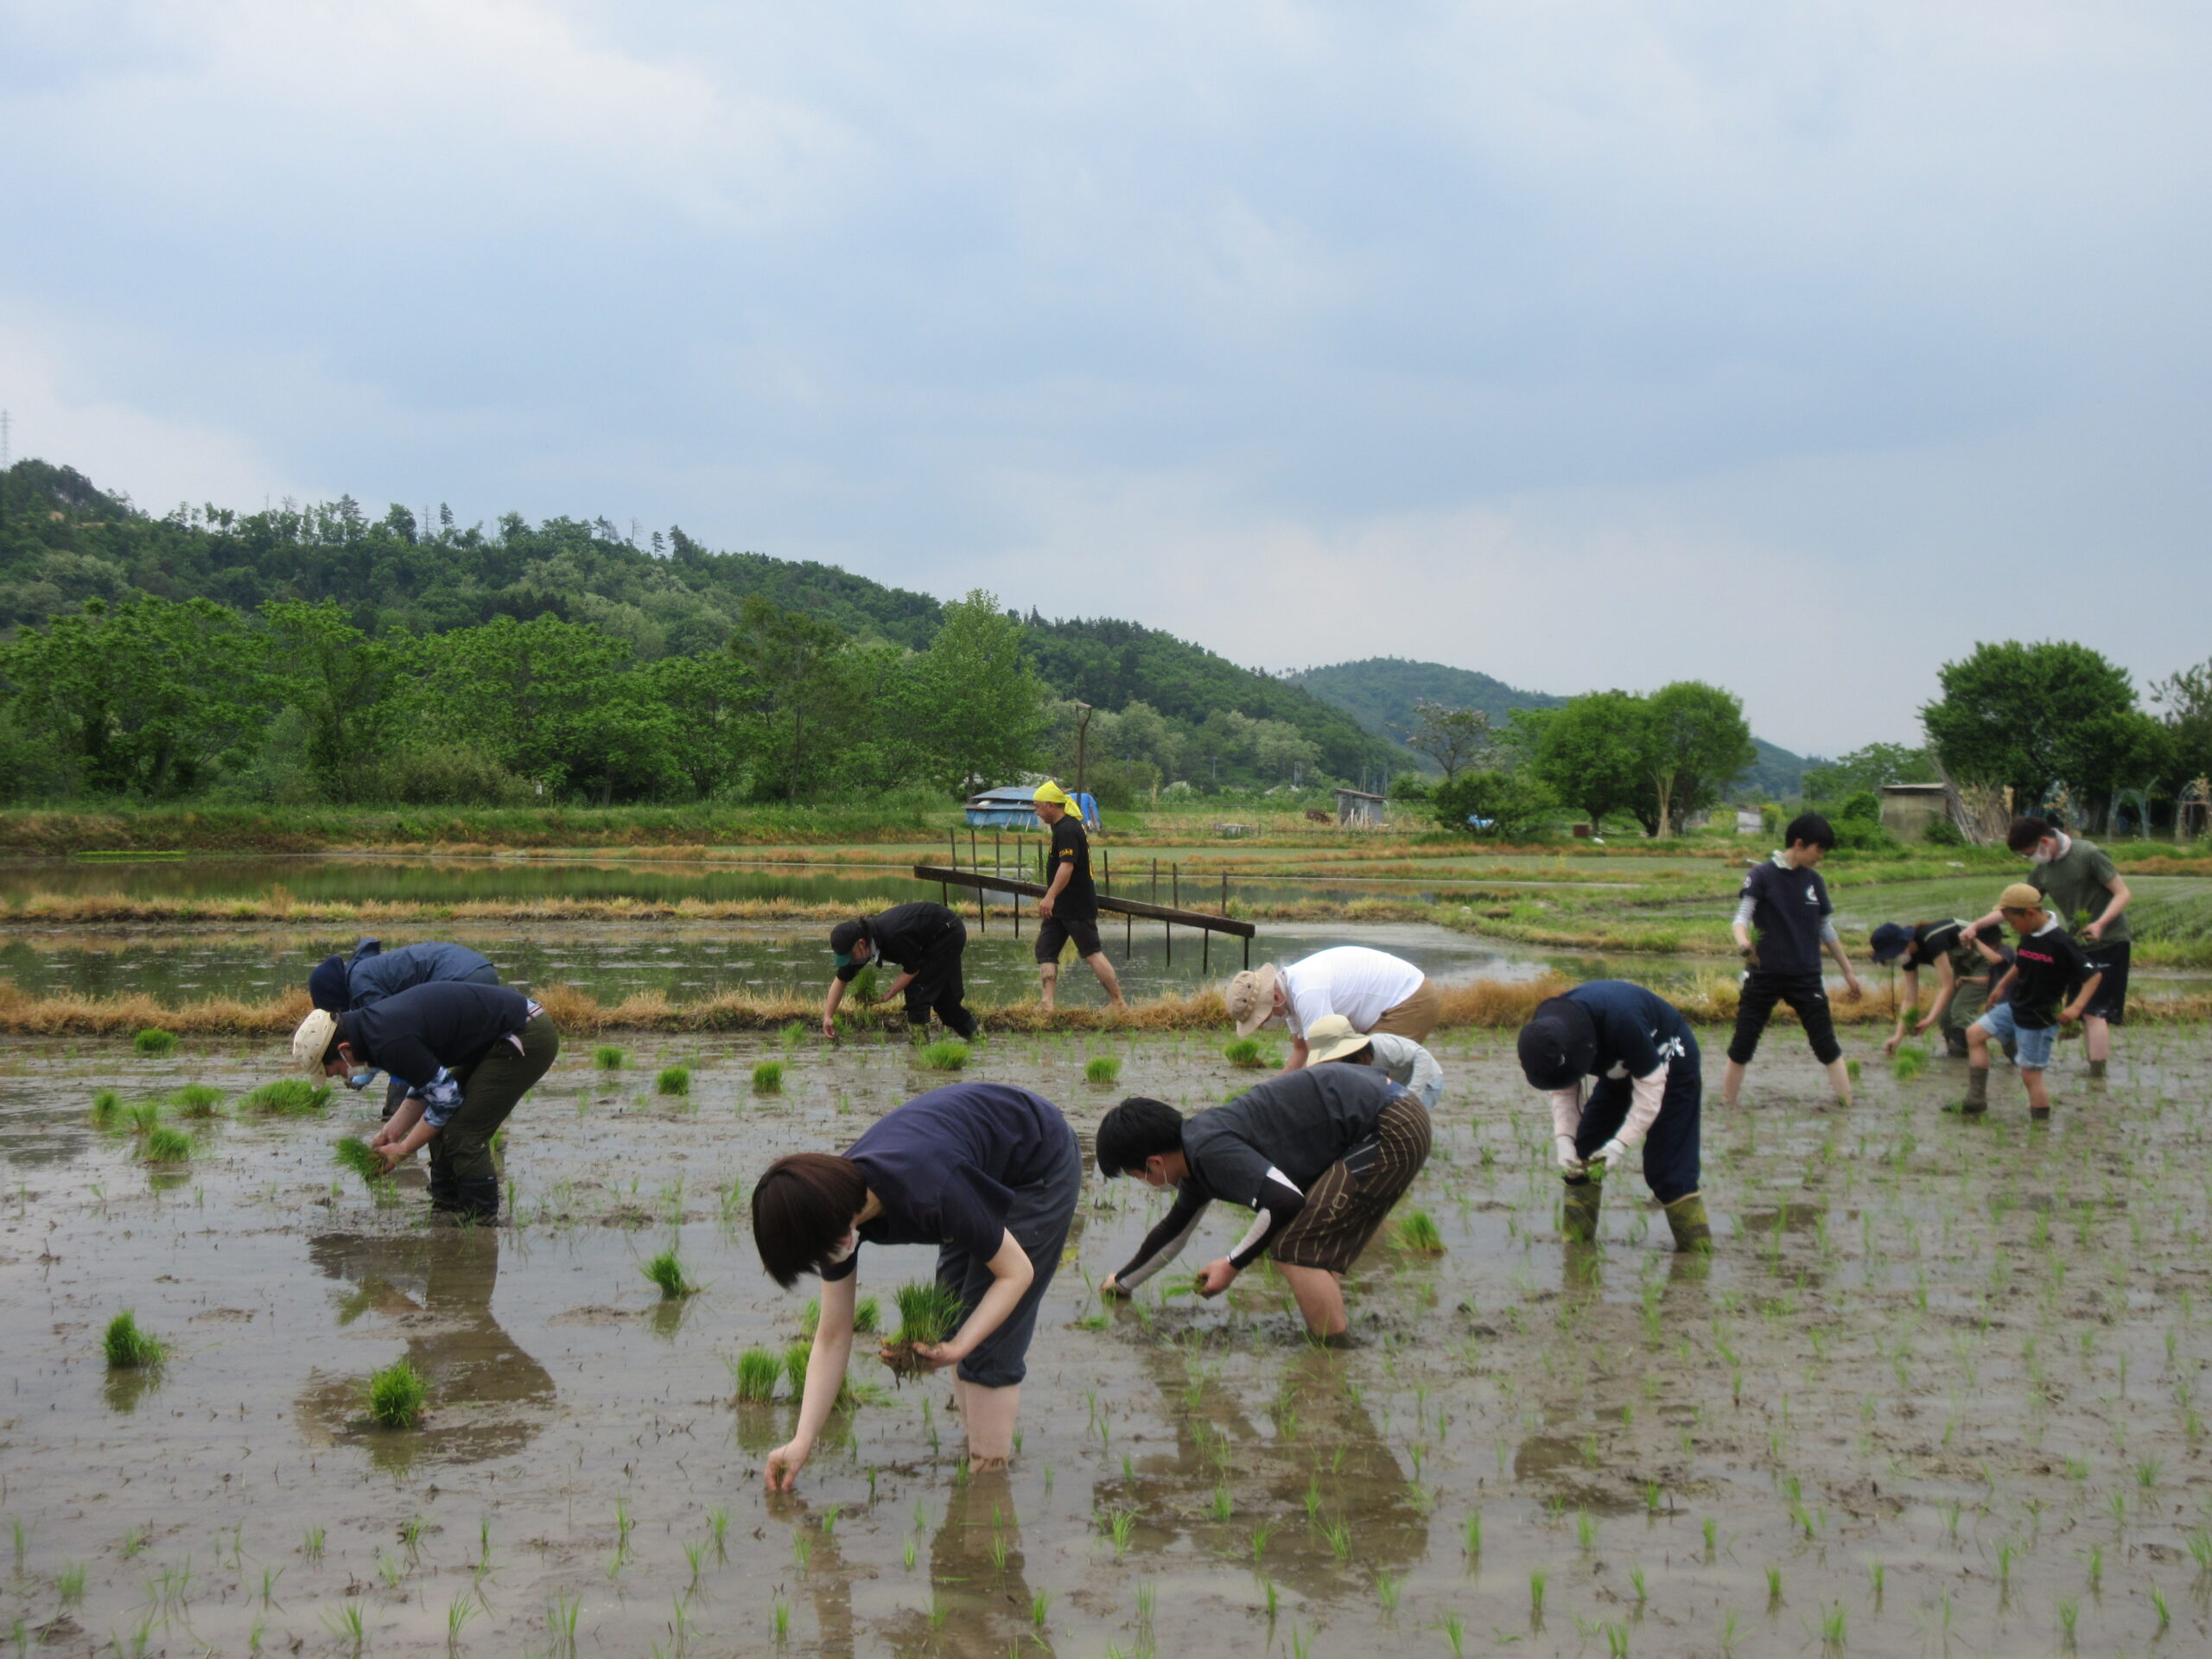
x,y
480,1200
445,1192
1977,1100
2096,1071
1579,1222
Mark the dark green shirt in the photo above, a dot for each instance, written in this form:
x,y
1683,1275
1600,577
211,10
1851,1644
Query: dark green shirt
x,y
2078,884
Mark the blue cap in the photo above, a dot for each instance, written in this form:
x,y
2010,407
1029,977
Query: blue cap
x,y
327,985
1889,941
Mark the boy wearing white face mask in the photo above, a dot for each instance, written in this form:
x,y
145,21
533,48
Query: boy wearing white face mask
x,y
2082,887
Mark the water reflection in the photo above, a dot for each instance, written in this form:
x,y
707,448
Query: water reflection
x,y
487,1395
979,1582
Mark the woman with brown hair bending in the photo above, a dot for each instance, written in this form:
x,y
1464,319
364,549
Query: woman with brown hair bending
x,y
988,1172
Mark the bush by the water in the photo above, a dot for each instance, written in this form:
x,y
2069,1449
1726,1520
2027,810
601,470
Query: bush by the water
x,y
397,1394
154,1042
128,1347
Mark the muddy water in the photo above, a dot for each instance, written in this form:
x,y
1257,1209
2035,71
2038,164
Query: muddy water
x,y
1943,1381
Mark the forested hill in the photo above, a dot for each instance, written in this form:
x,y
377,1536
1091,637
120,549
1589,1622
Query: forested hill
x,y
63,540
1381,692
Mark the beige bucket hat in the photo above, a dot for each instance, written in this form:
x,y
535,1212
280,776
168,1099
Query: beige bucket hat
x,y
1251,998
1332,1037
312,1041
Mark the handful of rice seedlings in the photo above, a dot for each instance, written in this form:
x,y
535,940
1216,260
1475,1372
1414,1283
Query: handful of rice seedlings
x,y
289,1097
1418,1234
928,1313
198,1100
1244,1052
768,1078
154,1042
607,1058
755,1371
167,1146
947,1054
397,1394
665,1271
673,1080
1909,1063
357,1156
1103,1069
130,1348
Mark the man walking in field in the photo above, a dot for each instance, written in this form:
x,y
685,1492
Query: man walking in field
x,y
1069,909
1783,924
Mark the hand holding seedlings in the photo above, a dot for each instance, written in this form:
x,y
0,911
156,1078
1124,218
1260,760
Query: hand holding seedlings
x,y
1216,1277
1110,1286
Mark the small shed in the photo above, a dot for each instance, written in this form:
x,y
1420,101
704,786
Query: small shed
x,y
1357,808
1014,807
1909,808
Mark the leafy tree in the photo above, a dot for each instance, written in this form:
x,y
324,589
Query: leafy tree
x,y
1454,738
148,697
1868,769
2029,717
1590,754
339,680
1502,806
713,731
977,706
1696,742
808,696
2186,697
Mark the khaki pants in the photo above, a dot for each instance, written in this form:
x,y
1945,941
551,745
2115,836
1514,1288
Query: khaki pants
x,y
463,1150
1416,1016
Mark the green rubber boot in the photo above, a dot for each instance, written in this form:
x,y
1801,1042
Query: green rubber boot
x,y
2096,1071
1977,1100
1692,1232
1579,1222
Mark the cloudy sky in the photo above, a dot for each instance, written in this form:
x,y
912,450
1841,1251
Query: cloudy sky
x,y
1796,347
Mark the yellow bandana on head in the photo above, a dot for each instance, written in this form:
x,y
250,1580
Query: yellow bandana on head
x,y
1051,794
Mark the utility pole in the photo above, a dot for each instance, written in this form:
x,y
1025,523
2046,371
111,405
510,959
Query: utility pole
x,y
1082,739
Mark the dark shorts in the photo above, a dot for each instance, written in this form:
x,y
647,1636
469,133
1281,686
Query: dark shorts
x,y
1039,1217
1670,1150
937,985
1803,992
2111,1000
491,1090
1349,1202
1056,930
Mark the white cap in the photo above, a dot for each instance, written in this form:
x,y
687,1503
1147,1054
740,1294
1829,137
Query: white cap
x,y
312,1040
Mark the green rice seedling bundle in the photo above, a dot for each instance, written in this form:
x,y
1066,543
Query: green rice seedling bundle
x,y
928,1313
1103,1069
864,990
130,1348
795,1358
946,1054
1909,1063
867,1314
673,1080
289,1097
154,1042
1244,1052
1851,1070
107,1109
397,1394
607,1058
768,1078
1418,1234
198,1100
357,1156
144,1118
665,1271
793,1034
167,1146
756,1373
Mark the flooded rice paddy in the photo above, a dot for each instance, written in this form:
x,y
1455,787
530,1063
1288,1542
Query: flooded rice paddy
x,y
1939,1389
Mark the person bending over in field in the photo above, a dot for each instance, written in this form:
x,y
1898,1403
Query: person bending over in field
x,y
340,984
1373,989
2026,1006
1969,960
1403,1060
1318,1156
2082,887
467,1055
990,1174
927,941
1649,1091
1782,925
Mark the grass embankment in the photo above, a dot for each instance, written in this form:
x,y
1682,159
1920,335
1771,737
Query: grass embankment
x,y
1495,1004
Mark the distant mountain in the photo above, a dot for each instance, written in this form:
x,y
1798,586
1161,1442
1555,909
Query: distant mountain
x,y
1380,693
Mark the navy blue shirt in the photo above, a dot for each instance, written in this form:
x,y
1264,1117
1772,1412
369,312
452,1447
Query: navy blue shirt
x,y
946,1165
1636,1028
375,973
445,1023
1789,906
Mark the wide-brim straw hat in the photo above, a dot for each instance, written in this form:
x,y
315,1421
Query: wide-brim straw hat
x,y
1331,1038
1251,998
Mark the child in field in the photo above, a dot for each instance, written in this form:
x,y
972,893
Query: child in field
x,y
1969,960
2026,1004
1781,926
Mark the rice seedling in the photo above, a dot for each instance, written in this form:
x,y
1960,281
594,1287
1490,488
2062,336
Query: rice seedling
x,y
1388,1589
561,1621
144,1118
780,1620
1773,1588
1245,1053
311,1546
345,1624
718,1527
199,1099
2069,1612
130,1348
928,1313
946,1054
867,1315
167,1146
1338,1536
1103,1069
396,1395
754,1373
154,1043
69,1585
1537,1580
287,1098
768,1078
1039,1605
2159,1606
667,1272
795,1358
1418,1234
462,1608
355,1155
607,1058
1832,1629
1120,1525
1909,1063
107,1109
673,1080
1473,1535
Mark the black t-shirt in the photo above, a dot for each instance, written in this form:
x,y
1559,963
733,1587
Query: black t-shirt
x,y
1078,901
903,934
1934,939
2050,965
946,1162
1300,1124
1789,906
444,1023
1636,1028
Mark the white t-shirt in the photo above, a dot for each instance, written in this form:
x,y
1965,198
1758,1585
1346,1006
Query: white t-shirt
x,y
1361,984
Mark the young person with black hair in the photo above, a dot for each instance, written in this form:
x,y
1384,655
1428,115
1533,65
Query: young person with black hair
x,y
1969,960
1318,1155
467,1054
926,940
2083,887
372,973
2026,1006
1782,925
990,1174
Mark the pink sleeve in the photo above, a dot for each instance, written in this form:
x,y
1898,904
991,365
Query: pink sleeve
x,y
1566,1111
1645,1108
